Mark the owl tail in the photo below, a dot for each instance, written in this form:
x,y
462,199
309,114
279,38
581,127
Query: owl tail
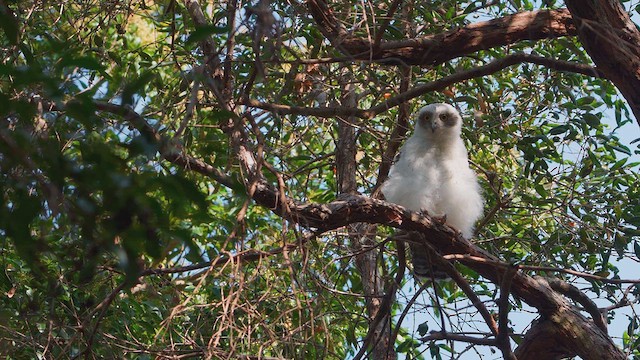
x,y
421,259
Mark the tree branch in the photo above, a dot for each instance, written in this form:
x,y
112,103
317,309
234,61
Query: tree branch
x,y
387,20
436,49
503,340
436,85
440,263
541,268
489,68
578,296
443,335
613,42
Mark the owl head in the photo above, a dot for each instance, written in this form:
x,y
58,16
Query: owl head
x,y
438,121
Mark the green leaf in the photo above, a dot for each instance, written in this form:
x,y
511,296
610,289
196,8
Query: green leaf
x,y
405,346
85,62
423,329
136,86
203,32
559,129
585,100
591,120
622,149
10,26
586,169
25,210
220,114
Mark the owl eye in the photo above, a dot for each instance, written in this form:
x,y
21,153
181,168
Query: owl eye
x,y
443,117
423,118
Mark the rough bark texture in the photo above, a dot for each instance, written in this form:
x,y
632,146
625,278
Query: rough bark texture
x,y
360,236
439,48
613,42
565,335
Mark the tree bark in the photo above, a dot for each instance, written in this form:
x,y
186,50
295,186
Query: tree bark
x,y
605,29
360,234
613,42
565,335
436,49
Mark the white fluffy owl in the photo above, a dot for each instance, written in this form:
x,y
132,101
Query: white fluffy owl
x,y
432,174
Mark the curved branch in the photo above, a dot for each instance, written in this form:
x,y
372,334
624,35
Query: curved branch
x,y
490,68
436,85
436,49
439,262
574,293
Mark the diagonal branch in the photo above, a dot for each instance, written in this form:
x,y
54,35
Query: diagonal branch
x,y
436,49
578,296
436,85
455,275
476,72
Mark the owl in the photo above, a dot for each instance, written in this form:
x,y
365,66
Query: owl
x,y
432,174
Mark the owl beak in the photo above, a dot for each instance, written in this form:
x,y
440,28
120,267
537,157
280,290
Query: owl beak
x,y
434,126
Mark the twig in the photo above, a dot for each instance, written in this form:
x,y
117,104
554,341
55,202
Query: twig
x,y
193,100
478,259
102,307
453,273
443,335
502,340
387,20
622,303
404,313
436,85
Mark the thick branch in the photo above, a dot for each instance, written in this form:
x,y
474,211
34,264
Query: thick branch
x,y
578,296
567,334
613,42
439,48
379,310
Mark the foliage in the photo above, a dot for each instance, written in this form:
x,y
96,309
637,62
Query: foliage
x,y
89,204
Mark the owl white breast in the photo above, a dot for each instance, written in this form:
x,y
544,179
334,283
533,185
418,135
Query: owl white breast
x,y
432,172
